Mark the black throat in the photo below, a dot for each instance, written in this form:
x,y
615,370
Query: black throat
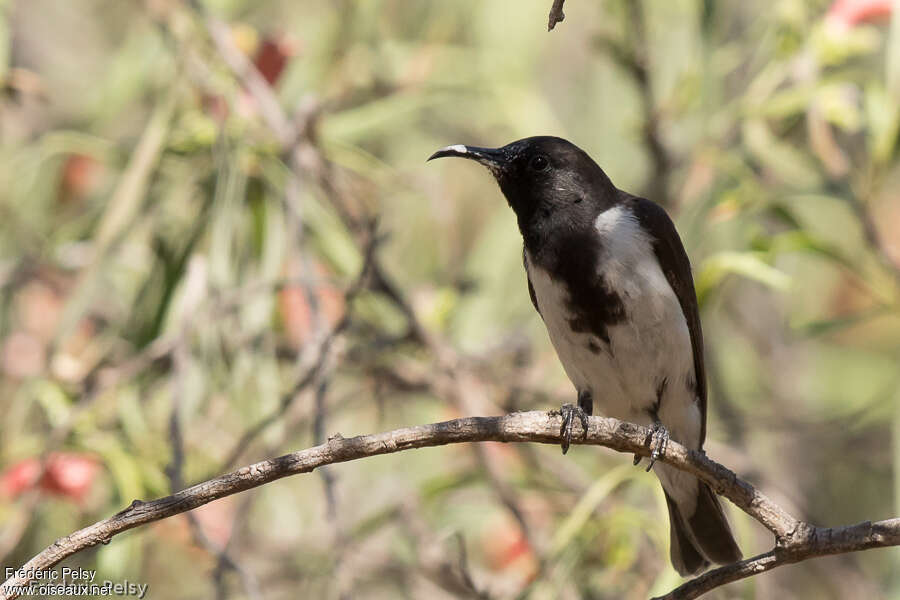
x,y
555,235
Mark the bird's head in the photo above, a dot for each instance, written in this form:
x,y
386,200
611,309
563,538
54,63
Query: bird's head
x,y
542,178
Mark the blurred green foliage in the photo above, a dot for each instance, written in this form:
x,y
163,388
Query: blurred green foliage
x,y
165,263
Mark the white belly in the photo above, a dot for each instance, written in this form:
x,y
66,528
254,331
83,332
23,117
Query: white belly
x,y
651,344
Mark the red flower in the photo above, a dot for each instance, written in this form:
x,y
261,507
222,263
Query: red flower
x,y
80,176
272,56
295,310
20,477
507,549
66,474
847,13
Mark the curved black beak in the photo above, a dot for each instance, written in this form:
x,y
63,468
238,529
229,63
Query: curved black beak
x,y
493,158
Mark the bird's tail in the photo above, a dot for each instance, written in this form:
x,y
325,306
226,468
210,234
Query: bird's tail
x,y
699,530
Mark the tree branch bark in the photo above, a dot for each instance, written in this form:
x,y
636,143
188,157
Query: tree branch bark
x,y
556,14
795,540
814,541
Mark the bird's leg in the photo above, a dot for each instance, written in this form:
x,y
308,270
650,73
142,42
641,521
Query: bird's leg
x,y
586,402
582,411
657,440
658,433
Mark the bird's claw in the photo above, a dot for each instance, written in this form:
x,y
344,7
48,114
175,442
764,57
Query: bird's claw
x,y
568,413
657,440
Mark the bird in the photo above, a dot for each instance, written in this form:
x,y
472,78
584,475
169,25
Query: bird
x,y
608,274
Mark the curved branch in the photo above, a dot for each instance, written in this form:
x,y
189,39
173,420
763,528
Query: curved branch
x,y
817,541
796,540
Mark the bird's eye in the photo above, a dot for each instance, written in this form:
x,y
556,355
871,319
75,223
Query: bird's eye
x,y
539,163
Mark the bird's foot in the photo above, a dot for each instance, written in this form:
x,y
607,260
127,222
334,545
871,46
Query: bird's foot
x,y
569,412
657,440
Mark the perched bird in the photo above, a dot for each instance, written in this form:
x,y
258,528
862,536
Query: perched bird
x,y
609,276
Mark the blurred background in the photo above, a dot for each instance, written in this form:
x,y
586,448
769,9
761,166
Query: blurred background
x,y
220,242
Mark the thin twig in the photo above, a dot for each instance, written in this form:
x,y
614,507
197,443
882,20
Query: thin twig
x,y
320,414
873,237
225,562
433,556
556,14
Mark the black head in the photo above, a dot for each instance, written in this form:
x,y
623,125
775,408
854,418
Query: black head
x,y
545,180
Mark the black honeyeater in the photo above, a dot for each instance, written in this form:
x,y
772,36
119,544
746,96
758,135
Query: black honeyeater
x,y
610,278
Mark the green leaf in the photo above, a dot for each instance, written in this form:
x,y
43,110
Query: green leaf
x,y
787,103
833,47
805,241
57,406
839,104
361,123
892,64
586,506
836,324
4,39
883,118
789,164
131,416
748,264
120,558
123,467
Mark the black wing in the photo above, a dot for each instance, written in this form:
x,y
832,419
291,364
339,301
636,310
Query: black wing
x,y
677,268
530,287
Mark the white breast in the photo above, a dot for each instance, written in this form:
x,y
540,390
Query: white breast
x,y
651,343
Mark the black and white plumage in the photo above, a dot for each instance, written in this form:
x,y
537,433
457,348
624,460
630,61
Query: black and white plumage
x,y
610,278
